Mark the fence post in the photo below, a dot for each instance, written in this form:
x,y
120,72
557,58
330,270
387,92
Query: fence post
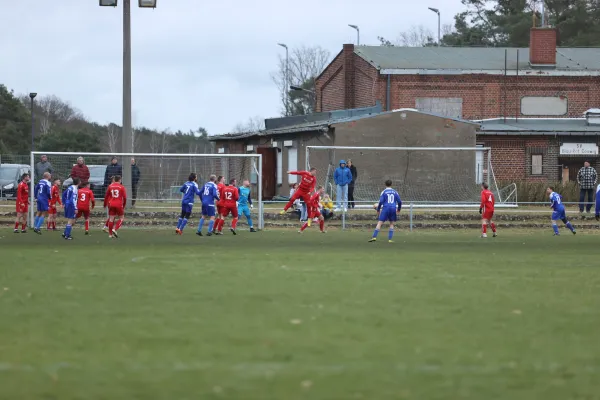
x,y
411,217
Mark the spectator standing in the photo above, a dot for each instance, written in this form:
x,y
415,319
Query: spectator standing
x,y
351,185
113,169
342,177
135,179
81,171
43,166
586,178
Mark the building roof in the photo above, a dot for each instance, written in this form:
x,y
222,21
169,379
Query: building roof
x,y
538,126
485,60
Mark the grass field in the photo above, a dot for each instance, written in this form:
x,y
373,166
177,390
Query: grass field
x,y
275,315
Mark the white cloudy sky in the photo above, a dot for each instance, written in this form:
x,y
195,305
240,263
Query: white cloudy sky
x,y
195,62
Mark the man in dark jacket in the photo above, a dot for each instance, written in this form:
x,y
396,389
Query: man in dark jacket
x,y
586,178
111,170
135,179
351,185
43,166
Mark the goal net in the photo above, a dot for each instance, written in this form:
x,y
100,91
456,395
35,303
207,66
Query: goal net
x,y
441,177
155,180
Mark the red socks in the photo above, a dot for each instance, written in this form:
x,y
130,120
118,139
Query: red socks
x,y
87,225
484,228
23,226
304,227
493,227
110,227
119,223
234,223
219,224
16,225
321,224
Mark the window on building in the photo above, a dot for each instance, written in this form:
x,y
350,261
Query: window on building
x,y
279,167
539,105
292,164
536,164
450,107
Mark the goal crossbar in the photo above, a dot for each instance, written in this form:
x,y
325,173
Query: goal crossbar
x,y
258,168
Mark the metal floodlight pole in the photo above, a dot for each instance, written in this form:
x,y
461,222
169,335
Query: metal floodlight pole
x,y
32,96
287,77
357,33
437,11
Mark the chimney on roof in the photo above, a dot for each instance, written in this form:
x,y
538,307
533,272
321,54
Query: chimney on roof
x,y
348,59
542,47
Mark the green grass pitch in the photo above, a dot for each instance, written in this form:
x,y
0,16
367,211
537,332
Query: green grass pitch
x,y
276,315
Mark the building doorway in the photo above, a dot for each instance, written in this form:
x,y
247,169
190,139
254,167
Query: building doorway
x,y
269,171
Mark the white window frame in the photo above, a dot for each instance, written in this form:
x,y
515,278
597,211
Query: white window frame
x,y
292,164
541,165
279,167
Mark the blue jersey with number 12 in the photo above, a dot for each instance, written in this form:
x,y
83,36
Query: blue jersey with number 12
x,y
390,199
190,190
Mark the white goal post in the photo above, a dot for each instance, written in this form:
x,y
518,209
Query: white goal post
x,y
156,187
432,177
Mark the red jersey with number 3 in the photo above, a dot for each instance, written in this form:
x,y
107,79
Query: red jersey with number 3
x,y
229,196
487,200
84,197
116,196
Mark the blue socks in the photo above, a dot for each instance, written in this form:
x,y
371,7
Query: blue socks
x,y
183,223
40,221
249,221
68,230
210,225
375,233
179,223
390,233
571,227
35,222
200,224
555,227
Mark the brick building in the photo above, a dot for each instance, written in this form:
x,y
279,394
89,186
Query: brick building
x,y
541,81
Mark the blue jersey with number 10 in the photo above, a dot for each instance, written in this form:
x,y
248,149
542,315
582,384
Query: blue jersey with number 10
x,y
190,190
390,199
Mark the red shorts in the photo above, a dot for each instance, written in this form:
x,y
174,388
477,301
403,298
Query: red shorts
x,y
225,210
487,214
116,211
52,210
314,213
22,208
85,213
220,209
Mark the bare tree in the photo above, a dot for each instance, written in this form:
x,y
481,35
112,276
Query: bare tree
x,y
52,110
417,36
112,137
305,64
253,124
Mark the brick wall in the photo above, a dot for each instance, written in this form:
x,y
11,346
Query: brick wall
x,y
542,46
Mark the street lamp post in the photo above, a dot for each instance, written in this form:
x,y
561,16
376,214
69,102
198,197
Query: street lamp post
x,y
32,96
287,77
312,92
357,33
437,11
126,136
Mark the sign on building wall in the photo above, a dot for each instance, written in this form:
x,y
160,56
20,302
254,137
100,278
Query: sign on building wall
x,y
445,106
578,149
538,105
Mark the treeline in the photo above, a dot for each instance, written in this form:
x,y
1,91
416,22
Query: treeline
x,y
59,126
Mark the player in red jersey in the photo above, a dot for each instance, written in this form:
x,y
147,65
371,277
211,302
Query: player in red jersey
x,y
115,199
220,219
85,196
486,209
229,196
22,204
307,186
52,209
313,210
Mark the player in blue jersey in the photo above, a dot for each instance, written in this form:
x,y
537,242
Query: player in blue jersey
x,y
245,203
209,194
43,194
558,211
190,190
598,203
69,199
387,209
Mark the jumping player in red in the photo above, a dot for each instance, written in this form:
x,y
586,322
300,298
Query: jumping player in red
x,y
220,219
52,209
229,196
307,186
313,210
486,209
85,196
115,199
22,204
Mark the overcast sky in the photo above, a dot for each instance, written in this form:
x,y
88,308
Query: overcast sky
x,y
195,62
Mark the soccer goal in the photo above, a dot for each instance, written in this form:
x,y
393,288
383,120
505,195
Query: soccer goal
x,y
153,184
444,177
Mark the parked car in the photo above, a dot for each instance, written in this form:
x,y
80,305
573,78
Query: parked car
x,y
96,180
10,177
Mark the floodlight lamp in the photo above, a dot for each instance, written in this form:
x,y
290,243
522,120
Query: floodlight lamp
x,y
108,3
